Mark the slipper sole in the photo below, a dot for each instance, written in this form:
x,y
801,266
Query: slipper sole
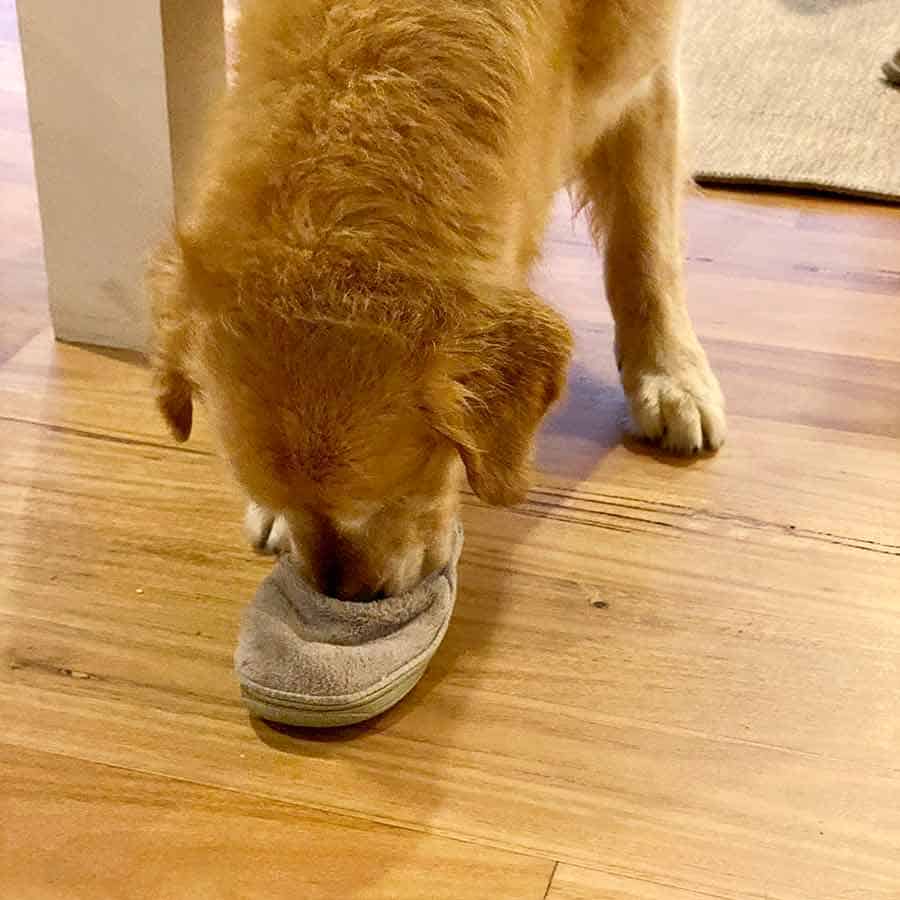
x,y
336,711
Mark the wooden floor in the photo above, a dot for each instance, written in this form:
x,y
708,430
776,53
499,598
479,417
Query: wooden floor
x,y
663,681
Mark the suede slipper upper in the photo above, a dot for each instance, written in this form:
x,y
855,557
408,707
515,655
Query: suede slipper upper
x,y
307,659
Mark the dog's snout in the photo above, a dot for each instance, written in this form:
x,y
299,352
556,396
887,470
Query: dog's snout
x,y
332,580
343,581
371,564
367,596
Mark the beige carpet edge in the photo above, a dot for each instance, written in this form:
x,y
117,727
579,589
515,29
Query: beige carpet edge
x,y
724,178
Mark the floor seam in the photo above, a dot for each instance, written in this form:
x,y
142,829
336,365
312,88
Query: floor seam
x,y
550,879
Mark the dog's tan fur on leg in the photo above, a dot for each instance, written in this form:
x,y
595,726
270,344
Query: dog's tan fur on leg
x,y
631,181
350,295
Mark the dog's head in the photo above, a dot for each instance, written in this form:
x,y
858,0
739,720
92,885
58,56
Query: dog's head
x,y
359,430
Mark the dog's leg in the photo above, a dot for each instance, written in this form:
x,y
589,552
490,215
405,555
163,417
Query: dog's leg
x,y
632,184
266,532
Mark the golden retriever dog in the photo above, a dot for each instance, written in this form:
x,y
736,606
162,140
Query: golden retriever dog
x,y
349,294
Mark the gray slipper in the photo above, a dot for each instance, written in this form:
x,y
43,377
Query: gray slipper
x,y
307,659
891,69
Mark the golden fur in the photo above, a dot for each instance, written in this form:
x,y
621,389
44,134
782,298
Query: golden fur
x,y
349,293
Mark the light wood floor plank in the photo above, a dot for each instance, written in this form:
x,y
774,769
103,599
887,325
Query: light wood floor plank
x,y
79,831
575,883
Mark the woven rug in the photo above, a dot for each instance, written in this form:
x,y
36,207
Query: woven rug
x,y
790,93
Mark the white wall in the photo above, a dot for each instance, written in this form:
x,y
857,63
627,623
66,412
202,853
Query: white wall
x,y
116,92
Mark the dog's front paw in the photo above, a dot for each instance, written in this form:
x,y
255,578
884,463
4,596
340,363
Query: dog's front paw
x,y
678,404
266,532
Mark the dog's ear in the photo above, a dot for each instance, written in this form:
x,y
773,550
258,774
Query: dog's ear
x,y
174,399
493,384
166,286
